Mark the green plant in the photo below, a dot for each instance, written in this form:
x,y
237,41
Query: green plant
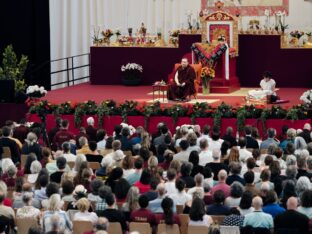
x,y
79,112
176,111
128,108
217,119
12,69
241,117
20,85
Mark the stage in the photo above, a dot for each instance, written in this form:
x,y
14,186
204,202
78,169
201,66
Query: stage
x,y
144,94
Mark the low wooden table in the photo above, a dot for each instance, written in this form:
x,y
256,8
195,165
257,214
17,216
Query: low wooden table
x,y
162,91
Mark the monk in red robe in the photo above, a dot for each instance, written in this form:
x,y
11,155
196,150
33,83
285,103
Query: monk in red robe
x,y
183,84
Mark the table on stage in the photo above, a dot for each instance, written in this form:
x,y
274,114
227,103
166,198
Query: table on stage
x,y
160,91
157,62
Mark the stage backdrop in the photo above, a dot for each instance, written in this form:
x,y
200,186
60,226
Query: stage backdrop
x,y
249,7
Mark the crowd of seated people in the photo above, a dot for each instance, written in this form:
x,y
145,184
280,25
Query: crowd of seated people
x,y
254,183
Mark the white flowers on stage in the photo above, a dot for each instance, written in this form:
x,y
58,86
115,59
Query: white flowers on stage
x,y
36,91
306,97
131,66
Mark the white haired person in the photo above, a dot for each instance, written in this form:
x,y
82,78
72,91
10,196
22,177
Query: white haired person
x,y
35,168
27,211
306,133
31,146
54,210
90,129
267,89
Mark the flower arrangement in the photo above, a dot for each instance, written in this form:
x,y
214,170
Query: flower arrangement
x,y
296,34
306,97
309,34
131,74
108,33
117,32
175,33
35,91
198,110
162,82
132,66
207,74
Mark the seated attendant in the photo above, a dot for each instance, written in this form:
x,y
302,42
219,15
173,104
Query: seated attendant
x,y
183,83
267,85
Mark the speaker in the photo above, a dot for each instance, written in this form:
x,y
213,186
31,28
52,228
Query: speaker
x,y
7,90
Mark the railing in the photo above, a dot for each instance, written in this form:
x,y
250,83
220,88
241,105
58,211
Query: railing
x,y
70,70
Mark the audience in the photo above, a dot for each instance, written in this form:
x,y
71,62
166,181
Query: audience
x,y
203,174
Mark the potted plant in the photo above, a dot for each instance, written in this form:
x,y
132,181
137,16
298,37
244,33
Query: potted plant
x,y
11,74
131,74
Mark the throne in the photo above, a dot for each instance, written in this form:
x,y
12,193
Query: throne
x,y
222,28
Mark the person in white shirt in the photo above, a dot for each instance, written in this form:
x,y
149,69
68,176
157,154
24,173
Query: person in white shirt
x,y
192,139
184,154
101,139
184,131
267,88
244,154
83,214
205,155
108,160
66,152
181,197
216,141
170,184
205,134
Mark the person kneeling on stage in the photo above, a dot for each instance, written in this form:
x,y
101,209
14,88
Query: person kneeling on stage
x,y
267,89
183,83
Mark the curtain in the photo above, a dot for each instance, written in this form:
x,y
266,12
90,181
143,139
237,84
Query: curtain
x,y
72,23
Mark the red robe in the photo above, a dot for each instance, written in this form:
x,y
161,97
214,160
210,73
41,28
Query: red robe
x,y
187,76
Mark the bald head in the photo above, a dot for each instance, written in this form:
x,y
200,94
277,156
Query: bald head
x,y
222,175
257,203
292,203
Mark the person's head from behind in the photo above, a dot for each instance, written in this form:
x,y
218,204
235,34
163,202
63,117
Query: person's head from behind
x,y
242,142
43,181
143,201
218,197
171,174
146,176
248,130
257,203
180,185
67,187
52,188
144,153
104,190
203,144
186,169
246,200
138,164
6,131
93,146
197,210
265,175
100,134
184,144
27,198
61,163
199,178
116,145
55,202
235,168
83,204
292,203
109,143
271,133
236,190
271,197
194,157
249,177
65,124
66,147
216,154
95,186
306,199
110,199
12,170
222,175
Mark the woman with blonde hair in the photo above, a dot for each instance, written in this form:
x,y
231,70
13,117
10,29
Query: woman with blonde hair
x,y
83,214
152,164
127,165
233,156
54,210
146,141
132,201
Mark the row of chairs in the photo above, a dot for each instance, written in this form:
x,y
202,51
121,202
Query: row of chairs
x,y
79,227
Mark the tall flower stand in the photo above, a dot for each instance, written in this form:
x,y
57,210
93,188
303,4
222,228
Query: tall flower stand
x,y
206,86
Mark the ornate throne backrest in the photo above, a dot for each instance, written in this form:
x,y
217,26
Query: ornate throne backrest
x,y
219,24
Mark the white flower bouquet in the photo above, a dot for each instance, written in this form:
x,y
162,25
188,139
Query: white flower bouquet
x,y
35,91
132,66
306,97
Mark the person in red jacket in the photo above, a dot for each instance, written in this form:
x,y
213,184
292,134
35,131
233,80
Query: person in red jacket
x,y
63,135
143,215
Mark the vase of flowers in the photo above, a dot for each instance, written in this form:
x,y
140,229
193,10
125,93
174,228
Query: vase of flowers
x,y
296,35
131,74
207,74
174,37
34,92
107,34
306,98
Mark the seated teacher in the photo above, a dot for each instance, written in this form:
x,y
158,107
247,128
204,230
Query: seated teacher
x,y
267,85
183,83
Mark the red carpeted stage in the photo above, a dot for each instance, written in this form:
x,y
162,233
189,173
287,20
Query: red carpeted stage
x,y
98,93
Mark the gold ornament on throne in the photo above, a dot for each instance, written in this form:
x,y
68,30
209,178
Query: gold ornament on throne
x,y
218,33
